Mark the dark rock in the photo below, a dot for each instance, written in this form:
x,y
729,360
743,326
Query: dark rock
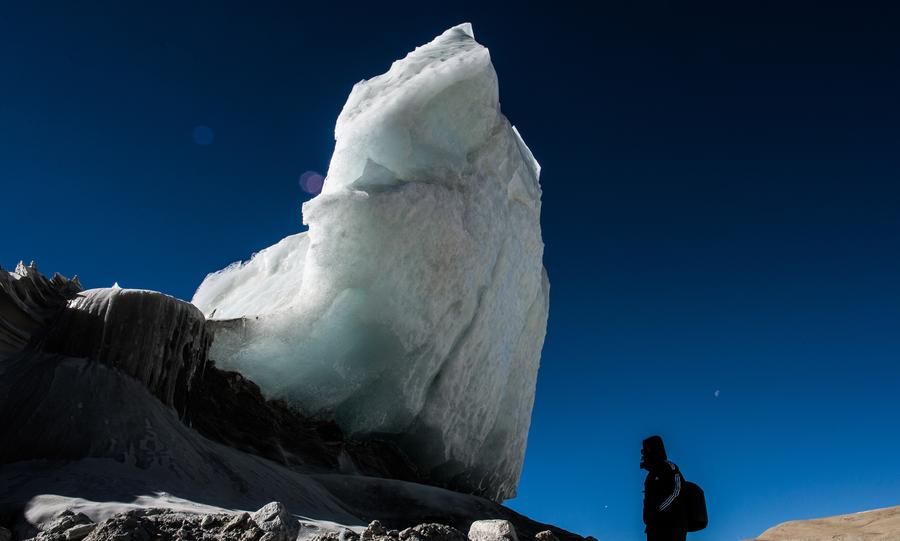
x,y
165,524
209,522
343,535
237,522
123,528
66,520
226,407
79,532
374,530
432,532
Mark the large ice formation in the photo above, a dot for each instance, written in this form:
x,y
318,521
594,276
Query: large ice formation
x,y
415,306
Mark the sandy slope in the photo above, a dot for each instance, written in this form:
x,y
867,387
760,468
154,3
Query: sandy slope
x,y
876,525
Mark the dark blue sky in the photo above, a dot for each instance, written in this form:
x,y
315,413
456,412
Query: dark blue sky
x,y
721,212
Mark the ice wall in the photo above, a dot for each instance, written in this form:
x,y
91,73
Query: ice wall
x,y
415,306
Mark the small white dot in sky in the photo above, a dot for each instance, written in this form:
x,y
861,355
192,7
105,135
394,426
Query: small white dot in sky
x,y
716,394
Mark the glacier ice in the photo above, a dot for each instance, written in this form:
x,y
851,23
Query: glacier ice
x,y
415,306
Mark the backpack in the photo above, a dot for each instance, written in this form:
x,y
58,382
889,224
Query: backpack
x,y
694,507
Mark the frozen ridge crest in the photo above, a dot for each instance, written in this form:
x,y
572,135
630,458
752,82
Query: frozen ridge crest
x,y
415,306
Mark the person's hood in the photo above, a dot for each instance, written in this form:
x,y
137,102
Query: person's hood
x,y
653,451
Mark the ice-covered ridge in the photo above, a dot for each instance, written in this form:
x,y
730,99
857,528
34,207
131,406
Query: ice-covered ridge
x,y
235,291
416,304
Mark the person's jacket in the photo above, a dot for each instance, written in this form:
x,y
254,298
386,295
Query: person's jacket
x,y
662,502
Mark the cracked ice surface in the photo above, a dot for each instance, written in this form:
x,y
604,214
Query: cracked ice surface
x,y
416,304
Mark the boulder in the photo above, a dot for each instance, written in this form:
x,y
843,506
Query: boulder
x,y
79,532
66,521
492,530
276,523
374,531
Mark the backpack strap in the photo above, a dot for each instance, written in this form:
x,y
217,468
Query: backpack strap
x,y
677,490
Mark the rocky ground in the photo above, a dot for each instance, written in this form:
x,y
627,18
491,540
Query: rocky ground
x,y
271,523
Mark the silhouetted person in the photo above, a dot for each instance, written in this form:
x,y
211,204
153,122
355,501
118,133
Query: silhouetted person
x,y
663,509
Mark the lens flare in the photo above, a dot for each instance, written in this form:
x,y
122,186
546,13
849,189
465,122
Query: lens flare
x,y
311,182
